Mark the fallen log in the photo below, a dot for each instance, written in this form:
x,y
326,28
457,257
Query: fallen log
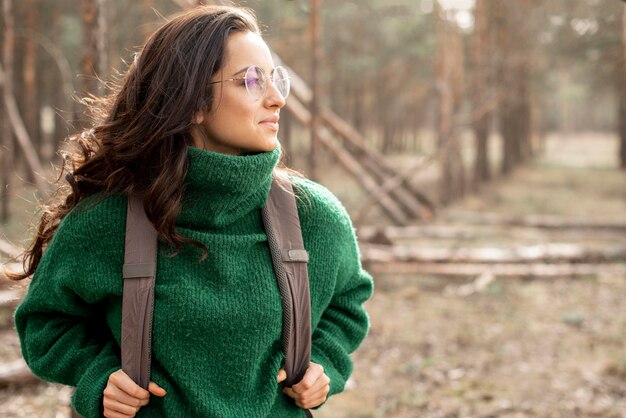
x,y
542,253
16,373
475,232
499,270
537,221
9,299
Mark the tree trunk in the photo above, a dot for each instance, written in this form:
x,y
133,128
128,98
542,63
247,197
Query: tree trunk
x,y
101,44
7,133
448,67
480,52
59,99
29,73
622,97
514,81
89,84
503,80
316,57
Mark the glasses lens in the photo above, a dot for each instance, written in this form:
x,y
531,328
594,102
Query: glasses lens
x,y
281,81
255,82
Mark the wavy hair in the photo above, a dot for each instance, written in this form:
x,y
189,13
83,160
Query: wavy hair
x,y
141,131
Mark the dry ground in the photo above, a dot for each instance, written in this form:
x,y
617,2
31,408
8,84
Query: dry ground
x,y
518,348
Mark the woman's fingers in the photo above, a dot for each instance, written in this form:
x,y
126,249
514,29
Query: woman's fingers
x,y
156,390
116,394
282,375
122,381
314,376
308,400
120,408
122,397
312,390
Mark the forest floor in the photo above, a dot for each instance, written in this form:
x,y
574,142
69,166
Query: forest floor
x,y
515,348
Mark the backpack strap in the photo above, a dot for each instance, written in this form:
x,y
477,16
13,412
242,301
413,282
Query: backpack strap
x,y
282,226
138,297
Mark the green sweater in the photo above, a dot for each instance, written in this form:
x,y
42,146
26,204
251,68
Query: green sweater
x,y
217,344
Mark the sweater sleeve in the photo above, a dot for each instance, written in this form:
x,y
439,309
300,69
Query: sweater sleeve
x,y
344,323
61,322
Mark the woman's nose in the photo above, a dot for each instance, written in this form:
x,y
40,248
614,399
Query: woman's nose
x,y
273,95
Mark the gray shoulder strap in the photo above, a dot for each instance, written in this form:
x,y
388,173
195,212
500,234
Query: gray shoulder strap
x,y
138,298
282,226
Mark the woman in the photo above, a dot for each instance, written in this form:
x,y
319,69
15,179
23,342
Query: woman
x,y
193,127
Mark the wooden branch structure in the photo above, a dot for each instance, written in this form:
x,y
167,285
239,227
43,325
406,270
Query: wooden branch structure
x,y
22,137
388,183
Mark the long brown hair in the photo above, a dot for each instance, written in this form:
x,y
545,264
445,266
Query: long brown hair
x,y
142,130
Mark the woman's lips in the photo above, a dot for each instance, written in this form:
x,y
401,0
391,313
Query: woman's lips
x,y
270,124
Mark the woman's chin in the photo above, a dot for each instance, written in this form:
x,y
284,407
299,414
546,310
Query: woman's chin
x,y
270,144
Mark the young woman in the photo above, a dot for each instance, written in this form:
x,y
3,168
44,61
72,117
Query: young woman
x,y
193,128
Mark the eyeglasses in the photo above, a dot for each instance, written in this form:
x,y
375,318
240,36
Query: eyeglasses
x,y
255,80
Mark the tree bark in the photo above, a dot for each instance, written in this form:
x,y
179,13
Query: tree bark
x,y
316,57
31,101
480,86
59,100
448,67
514,77
7,133
622,97
90,66
101,44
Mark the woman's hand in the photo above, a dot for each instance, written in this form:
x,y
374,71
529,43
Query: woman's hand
x,y
123,397
312,390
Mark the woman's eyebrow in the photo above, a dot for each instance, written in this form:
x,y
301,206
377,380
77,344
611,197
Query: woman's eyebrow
x,y
243,70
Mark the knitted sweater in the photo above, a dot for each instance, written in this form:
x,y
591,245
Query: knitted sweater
x,y
216,344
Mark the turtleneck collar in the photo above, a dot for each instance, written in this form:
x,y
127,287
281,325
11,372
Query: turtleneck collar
x,y
220,189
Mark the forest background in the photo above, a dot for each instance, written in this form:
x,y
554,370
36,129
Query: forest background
x,y
479,146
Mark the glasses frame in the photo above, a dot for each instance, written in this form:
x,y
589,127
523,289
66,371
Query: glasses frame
x,y
264,78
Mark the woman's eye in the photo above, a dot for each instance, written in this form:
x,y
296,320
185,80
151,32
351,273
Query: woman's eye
x,y
253,82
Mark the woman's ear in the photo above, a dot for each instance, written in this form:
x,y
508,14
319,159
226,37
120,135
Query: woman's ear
x,y
198,117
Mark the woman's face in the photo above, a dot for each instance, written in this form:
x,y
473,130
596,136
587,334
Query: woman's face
x,y
236,123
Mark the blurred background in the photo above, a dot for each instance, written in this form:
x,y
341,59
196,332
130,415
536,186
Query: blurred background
x,y
478,145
